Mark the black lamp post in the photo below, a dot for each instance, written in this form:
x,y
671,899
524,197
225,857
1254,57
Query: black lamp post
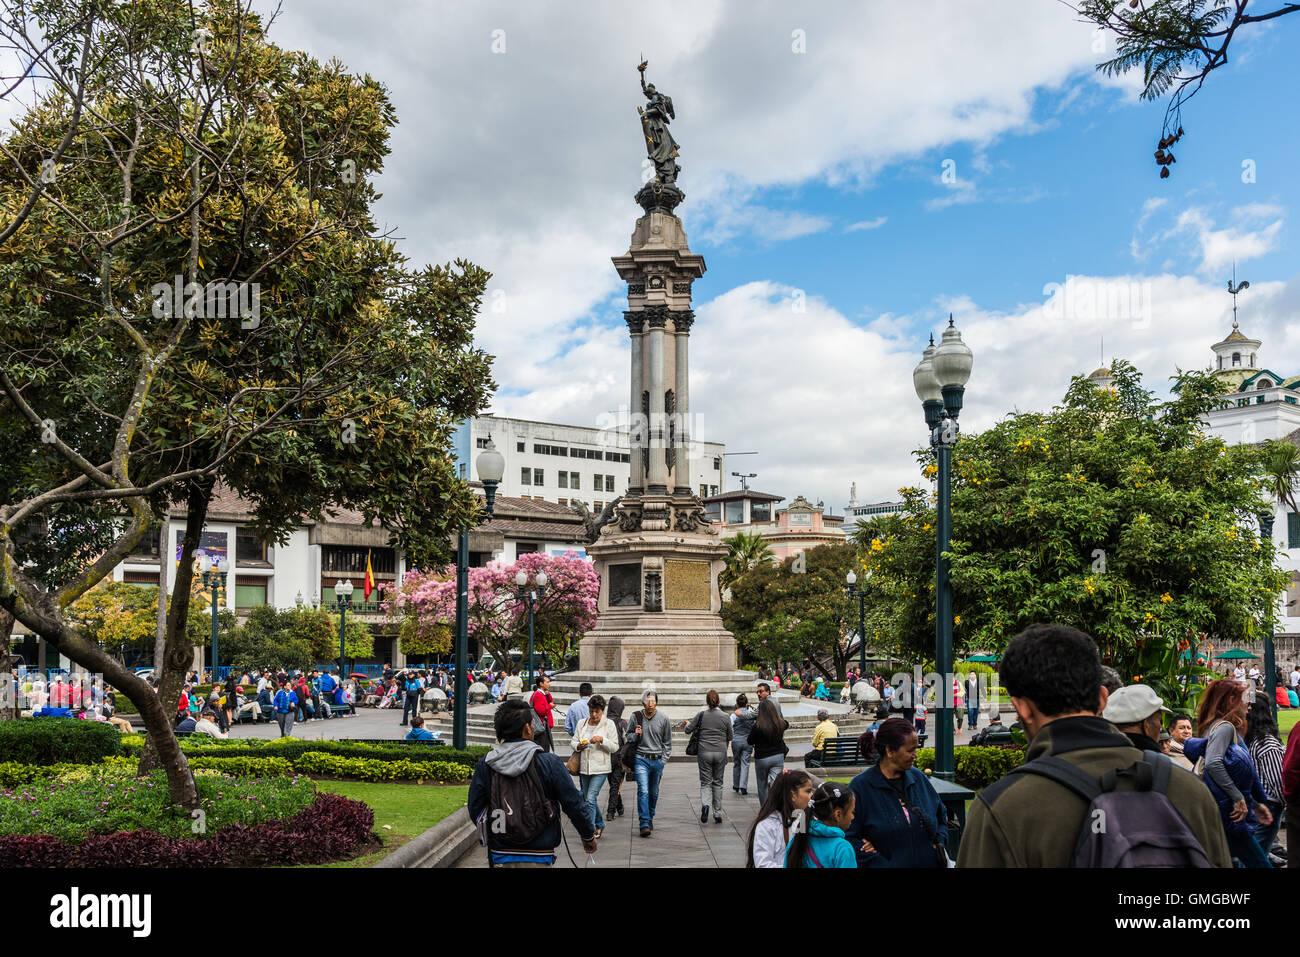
x,y
940,381
861,595
532,597
214,578
491,467
1270,653
343,599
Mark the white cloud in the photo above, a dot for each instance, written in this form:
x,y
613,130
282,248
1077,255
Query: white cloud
x,y
866,224
1255,232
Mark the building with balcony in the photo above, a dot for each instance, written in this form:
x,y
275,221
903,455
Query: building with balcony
x,y
796,528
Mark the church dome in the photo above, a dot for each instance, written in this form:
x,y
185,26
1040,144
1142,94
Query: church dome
x,y
1102,373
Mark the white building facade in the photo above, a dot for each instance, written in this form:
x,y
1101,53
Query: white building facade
x,y
565,463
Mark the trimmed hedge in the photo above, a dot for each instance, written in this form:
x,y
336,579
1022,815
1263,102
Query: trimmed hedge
x,y
242,767
977,767
368,769
49,741
292,748
332,827
15,774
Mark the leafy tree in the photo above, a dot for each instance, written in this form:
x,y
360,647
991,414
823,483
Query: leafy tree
x,y
498,620
267,639
121,613
780,615
1113,513
172,144
1280,462
1177,44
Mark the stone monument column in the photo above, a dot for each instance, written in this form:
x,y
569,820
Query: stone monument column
x,y
636,423
658,477
682,319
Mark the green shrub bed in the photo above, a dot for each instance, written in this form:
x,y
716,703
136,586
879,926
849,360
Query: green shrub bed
x,y
292,748
58,740
370,769
72,808
977,767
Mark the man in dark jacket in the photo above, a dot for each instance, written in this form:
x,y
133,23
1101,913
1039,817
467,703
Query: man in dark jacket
x,y
516,753
1053,675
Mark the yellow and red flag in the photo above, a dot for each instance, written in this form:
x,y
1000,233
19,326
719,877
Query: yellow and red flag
x,y
370,578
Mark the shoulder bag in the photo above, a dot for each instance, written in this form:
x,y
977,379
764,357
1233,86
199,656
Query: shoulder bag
x,y
628,755
693,743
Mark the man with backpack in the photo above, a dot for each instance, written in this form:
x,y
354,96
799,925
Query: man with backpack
x,y
514,793
413,687
1084,792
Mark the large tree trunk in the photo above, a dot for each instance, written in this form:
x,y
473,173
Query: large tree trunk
x,y
162,749
9,697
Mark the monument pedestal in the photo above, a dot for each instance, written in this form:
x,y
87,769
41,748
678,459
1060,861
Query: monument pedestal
x,y
659,603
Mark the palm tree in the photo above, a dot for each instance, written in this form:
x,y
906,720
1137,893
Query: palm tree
x,y
1282,471
745,550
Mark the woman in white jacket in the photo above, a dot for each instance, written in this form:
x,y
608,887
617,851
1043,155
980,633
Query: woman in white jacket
x,y
595,740
787,799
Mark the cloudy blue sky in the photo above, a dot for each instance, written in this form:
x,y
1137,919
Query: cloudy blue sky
x,y
815,141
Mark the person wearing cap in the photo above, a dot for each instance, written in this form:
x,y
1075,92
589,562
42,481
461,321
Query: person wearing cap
x,y
826,728
1137,711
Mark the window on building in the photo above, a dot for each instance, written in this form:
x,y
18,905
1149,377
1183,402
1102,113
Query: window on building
x,y
248,547
527,548
1236,358
713,490
735,512
573,480
348,559
1292,530
609,483
704,491
597,505
525,476
148,545
1265,384
717,463
464,469
249,593
563,479
564,501
538,477
519,446
714,511
481,442
760,511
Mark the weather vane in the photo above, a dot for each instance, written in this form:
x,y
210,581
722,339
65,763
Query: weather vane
x,y
1235,287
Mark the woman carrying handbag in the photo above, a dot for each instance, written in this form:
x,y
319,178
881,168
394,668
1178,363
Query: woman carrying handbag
x,y
710,732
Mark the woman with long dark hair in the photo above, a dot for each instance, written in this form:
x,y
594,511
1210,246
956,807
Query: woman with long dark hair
x,y
1220,754
769,835
819,840
899,820
768,739
1266,751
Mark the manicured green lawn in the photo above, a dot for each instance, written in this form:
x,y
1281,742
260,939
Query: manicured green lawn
x,y
408,809
1286,720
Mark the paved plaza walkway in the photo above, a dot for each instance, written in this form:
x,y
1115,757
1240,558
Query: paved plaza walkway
x,y
679,839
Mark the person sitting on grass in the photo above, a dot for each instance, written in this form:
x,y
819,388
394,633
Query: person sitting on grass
x,y
418,731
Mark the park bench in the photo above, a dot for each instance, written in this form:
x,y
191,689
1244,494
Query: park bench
x,y
998,739
392,741
839,752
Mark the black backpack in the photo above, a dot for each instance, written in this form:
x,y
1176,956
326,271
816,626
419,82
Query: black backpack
x,y
518,810
1137,828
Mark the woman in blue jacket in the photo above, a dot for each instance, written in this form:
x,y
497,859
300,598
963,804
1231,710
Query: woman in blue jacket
x,y
899,820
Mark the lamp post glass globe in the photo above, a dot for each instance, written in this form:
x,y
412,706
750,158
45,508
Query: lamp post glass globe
x,y
952,360
490,464
851,578
924,380
541,579
521,578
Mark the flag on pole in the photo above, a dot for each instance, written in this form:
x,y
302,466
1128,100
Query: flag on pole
x,y
370,577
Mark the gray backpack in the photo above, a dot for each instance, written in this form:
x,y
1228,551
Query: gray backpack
x,y
1130,828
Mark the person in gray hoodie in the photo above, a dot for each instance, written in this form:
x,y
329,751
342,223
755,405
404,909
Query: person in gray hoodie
x,y
654,745
516,753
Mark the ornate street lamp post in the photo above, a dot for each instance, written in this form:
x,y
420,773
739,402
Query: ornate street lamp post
x,y
940,381
214,578
1270,653
491,467
532,597
861,595
343,599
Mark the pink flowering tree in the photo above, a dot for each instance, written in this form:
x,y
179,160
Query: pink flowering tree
x,y
498,621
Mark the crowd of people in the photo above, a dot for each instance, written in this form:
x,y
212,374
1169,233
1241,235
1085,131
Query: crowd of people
x,y
1216,786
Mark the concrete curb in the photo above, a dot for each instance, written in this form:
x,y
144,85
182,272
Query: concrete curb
x,y
439,846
